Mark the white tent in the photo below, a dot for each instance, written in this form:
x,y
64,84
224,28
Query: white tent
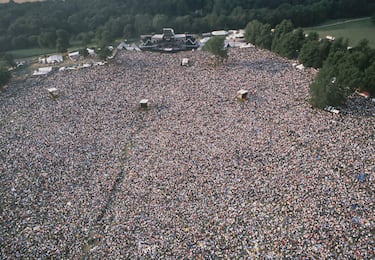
x,y
42,60
122,46
219,33
330,37
91,52
42,71
134,47
54,59
235,44
74,55
300,67
246,45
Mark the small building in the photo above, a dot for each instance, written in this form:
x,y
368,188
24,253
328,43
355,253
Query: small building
x,y
242,94
185,62
54,92
144,104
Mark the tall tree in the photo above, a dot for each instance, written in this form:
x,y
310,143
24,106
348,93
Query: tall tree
x,y
369,79
5,76
288,42
362,54
215,45
336,80
283,36
259,34
9,60
310,54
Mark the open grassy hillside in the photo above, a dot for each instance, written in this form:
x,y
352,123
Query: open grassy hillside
x,y
354,30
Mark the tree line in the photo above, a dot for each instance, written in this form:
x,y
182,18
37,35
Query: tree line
x,y
342,69
53,24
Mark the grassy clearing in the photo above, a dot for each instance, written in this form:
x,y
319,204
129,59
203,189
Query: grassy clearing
x,y
355,30
35,52
27,53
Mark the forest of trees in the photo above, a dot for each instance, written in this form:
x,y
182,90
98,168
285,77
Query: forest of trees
x,y
54,24
343,69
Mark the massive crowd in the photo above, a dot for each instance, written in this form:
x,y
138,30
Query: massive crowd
x,y
198,175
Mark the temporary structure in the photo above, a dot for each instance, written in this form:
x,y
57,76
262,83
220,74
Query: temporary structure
x,y
74,55
185,62
144,104
242,94
54,92
42,71
300,67
54,59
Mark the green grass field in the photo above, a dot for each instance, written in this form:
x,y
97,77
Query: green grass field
x,y
355,30
27,53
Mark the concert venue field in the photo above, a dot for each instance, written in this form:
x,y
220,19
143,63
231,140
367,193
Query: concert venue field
x,y
198,175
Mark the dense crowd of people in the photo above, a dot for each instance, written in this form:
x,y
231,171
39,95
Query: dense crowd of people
x,y
198,175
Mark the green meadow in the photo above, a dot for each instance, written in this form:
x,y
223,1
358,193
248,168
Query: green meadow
x,y
26,53
355,30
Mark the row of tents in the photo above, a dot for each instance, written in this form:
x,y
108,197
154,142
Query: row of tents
x,y
58,58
